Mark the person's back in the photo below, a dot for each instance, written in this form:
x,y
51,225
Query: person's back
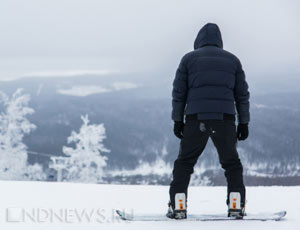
x,y
210,80
209,87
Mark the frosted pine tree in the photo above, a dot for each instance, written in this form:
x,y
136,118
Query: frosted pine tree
x,y
86,162
13,126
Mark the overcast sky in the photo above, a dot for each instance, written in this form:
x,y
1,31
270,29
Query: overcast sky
x,y
137,35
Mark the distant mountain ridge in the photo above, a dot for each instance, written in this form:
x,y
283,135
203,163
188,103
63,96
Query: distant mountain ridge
x,y
139,127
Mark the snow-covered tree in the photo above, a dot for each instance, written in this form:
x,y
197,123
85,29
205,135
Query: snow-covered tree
x,y
86,162
13,126
35,172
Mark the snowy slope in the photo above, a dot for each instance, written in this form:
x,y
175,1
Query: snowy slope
x,y
62,206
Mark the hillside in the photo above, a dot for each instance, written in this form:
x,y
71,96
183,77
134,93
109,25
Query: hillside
x,y
135,110
82,206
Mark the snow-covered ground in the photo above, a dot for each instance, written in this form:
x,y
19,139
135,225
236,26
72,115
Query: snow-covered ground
x,y
42,205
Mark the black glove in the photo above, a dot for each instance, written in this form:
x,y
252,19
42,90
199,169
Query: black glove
x,y
242,132
178,129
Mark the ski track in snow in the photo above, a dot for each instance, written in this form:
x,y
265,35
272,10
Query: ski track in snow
x,y
141,199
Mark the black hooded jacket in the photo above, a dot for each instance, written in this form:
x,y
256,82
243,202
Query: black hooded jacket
x,y
210,81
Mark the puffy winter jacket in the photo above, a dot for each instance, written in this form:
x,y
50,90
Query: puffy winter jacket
x,y
210,80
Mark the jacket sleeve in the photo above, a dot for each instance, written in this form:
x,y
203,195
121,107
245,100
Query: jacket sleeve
x,y
242,95
179,93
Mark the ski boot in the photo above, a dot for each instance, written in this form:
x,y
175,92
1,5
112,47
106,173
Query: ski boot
x,y
180,207
235,207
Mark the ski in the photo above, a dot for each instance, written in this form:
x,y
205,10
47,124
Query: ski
x,y
214,217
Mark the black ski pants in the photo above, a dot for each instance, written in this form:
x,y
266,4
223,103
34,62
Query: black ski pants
x,y
195,136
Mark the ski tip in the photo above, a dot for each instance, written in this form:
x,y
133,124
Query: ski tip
x,y
120,214
123,215
282,213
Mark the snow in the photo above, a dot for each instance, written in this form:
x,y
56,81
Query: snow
x,y
86,90
68,73
70,200
259,106
39,90
158,167
124,85
82,91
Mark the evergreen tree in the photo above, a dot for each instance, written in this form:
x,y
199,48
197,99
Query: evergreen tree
x,y
13,126
86,162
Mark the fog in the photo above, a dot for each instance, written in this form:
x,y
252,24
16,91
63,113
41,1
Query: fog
x,y
142,36
115,61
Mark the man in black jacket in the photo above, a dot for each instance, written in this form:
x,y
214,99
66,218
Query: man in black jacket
x,y
209,88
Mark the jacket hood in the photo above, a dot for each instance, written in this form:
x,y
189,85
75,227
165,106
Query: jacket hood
x,y
209,34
